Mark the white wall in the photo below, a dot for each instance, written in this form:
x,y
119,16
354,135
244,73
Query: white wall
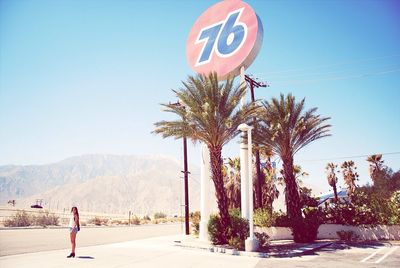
x,y
328,231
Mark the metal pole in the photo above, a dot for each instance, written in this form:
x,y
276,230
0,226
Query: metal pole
x,y
186,179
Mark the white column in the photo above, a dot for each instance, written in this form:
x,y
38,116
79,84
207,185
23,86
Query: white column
x,y
205,180
244,189
251,244
244,177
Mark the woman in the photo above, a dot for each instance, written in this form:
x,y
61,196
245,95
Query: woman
x,y
73,229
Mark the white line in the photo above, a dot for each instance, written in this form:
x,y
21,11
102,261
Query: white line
x,y
387,254
372,255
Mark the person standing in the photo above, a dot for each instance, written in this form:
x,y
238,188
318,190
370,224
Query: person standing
x,y
73,229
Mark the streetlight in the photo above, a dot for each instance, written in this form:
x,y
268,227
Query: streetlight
x,y
251,244
185,172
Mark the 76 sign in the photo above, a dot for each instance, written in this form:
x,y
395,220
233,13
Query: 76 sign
x,y
225,37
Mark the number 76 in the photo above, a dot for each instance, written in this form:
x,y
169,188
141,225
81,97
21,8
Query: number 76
x,y
224,37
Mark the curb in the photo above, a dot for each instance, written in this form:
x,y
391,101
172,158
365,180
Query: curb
x,y
293,253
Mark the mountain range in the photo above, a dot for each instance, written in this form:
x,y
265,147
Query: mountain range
x,y
102,183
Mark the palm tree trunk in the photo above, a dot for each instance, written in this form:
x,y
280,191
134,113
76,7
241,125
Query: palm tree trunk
x,y
293,203
335,192
216,170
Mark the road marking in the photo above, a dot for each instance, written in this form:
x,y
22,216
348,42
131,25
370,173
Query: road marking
x,y
372,255
387,254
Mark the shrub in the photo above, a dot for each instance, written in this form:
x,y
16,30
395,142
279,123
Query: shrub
x,y
20,219
281,219
135,220
160,215
308,229
346,235
263,218
98,221
195,219
238,230
263,238
46,219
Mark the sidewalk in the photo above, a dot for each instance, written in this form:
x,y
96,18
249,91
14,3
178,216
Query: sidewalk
x,y
277,249
153,252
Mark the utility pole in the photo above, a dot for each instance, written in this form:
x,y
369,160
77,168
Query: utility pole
x,y
186,180
186,175
253,83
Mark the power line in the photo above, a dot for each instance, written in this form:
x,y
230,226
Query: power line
x,y
353,76
345,157
329,65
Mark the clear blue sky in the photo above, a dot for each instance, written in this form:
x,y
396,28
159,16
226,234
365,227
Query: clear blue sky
x,y
80,77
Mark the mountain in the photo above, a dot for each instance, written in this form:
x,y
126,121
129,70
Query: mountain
x,y
102,183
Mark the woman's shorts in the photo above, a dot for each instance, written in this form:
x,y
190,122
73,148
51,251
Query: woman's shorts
x,y
73,230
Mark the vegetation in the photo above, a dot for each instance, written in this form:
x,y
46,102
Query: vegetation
x,y
195,220
231,172
332,178
286,128
23,219
238,230
370,204
160,215
263,218
98,221
350,177
135,220
347,235
209,113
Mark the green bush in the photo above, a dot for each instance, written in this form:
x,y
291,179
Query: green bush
x,y
160,215
263,218
263,239
238,230
195,220
308,229
20,219
281,219
346,235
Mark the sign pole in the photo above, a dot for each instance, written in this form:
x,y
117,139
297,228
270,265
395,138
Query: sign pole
x,y
244,161
205,177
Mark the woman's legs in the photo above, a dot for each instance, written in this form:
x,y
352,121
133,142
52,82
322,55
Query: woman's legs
x,y
73,238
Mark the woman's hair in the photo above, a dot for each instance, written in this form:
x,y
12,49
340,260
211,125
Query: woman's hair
x,y
72,210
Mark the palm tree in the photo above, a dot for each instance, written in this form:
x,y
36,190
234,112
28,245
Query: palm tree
x,y
332,178
211,116
375,166
269,191
349,176
286,128
232,182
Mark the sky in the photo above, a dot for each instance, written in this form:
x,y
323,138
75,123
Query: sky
x,y
87,77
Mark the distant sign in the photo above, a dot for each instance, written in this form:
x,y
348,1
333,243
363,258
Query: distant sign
x,y
227,36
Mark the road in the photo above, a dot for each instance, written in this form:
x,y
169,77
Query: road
x,y
154,246
20,241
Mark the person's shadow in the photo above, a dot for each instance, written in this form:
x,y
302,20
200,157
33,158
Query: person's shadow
x,y
85,257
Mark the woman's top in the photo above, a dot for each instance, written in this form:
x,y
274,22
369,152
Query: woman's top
x,y
71,221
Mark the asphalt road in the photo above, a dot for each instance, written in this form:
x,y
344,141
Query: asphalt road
x,y
18,241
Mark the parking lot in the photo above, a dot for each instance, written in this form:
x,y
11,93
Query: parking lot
x,y
373,254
